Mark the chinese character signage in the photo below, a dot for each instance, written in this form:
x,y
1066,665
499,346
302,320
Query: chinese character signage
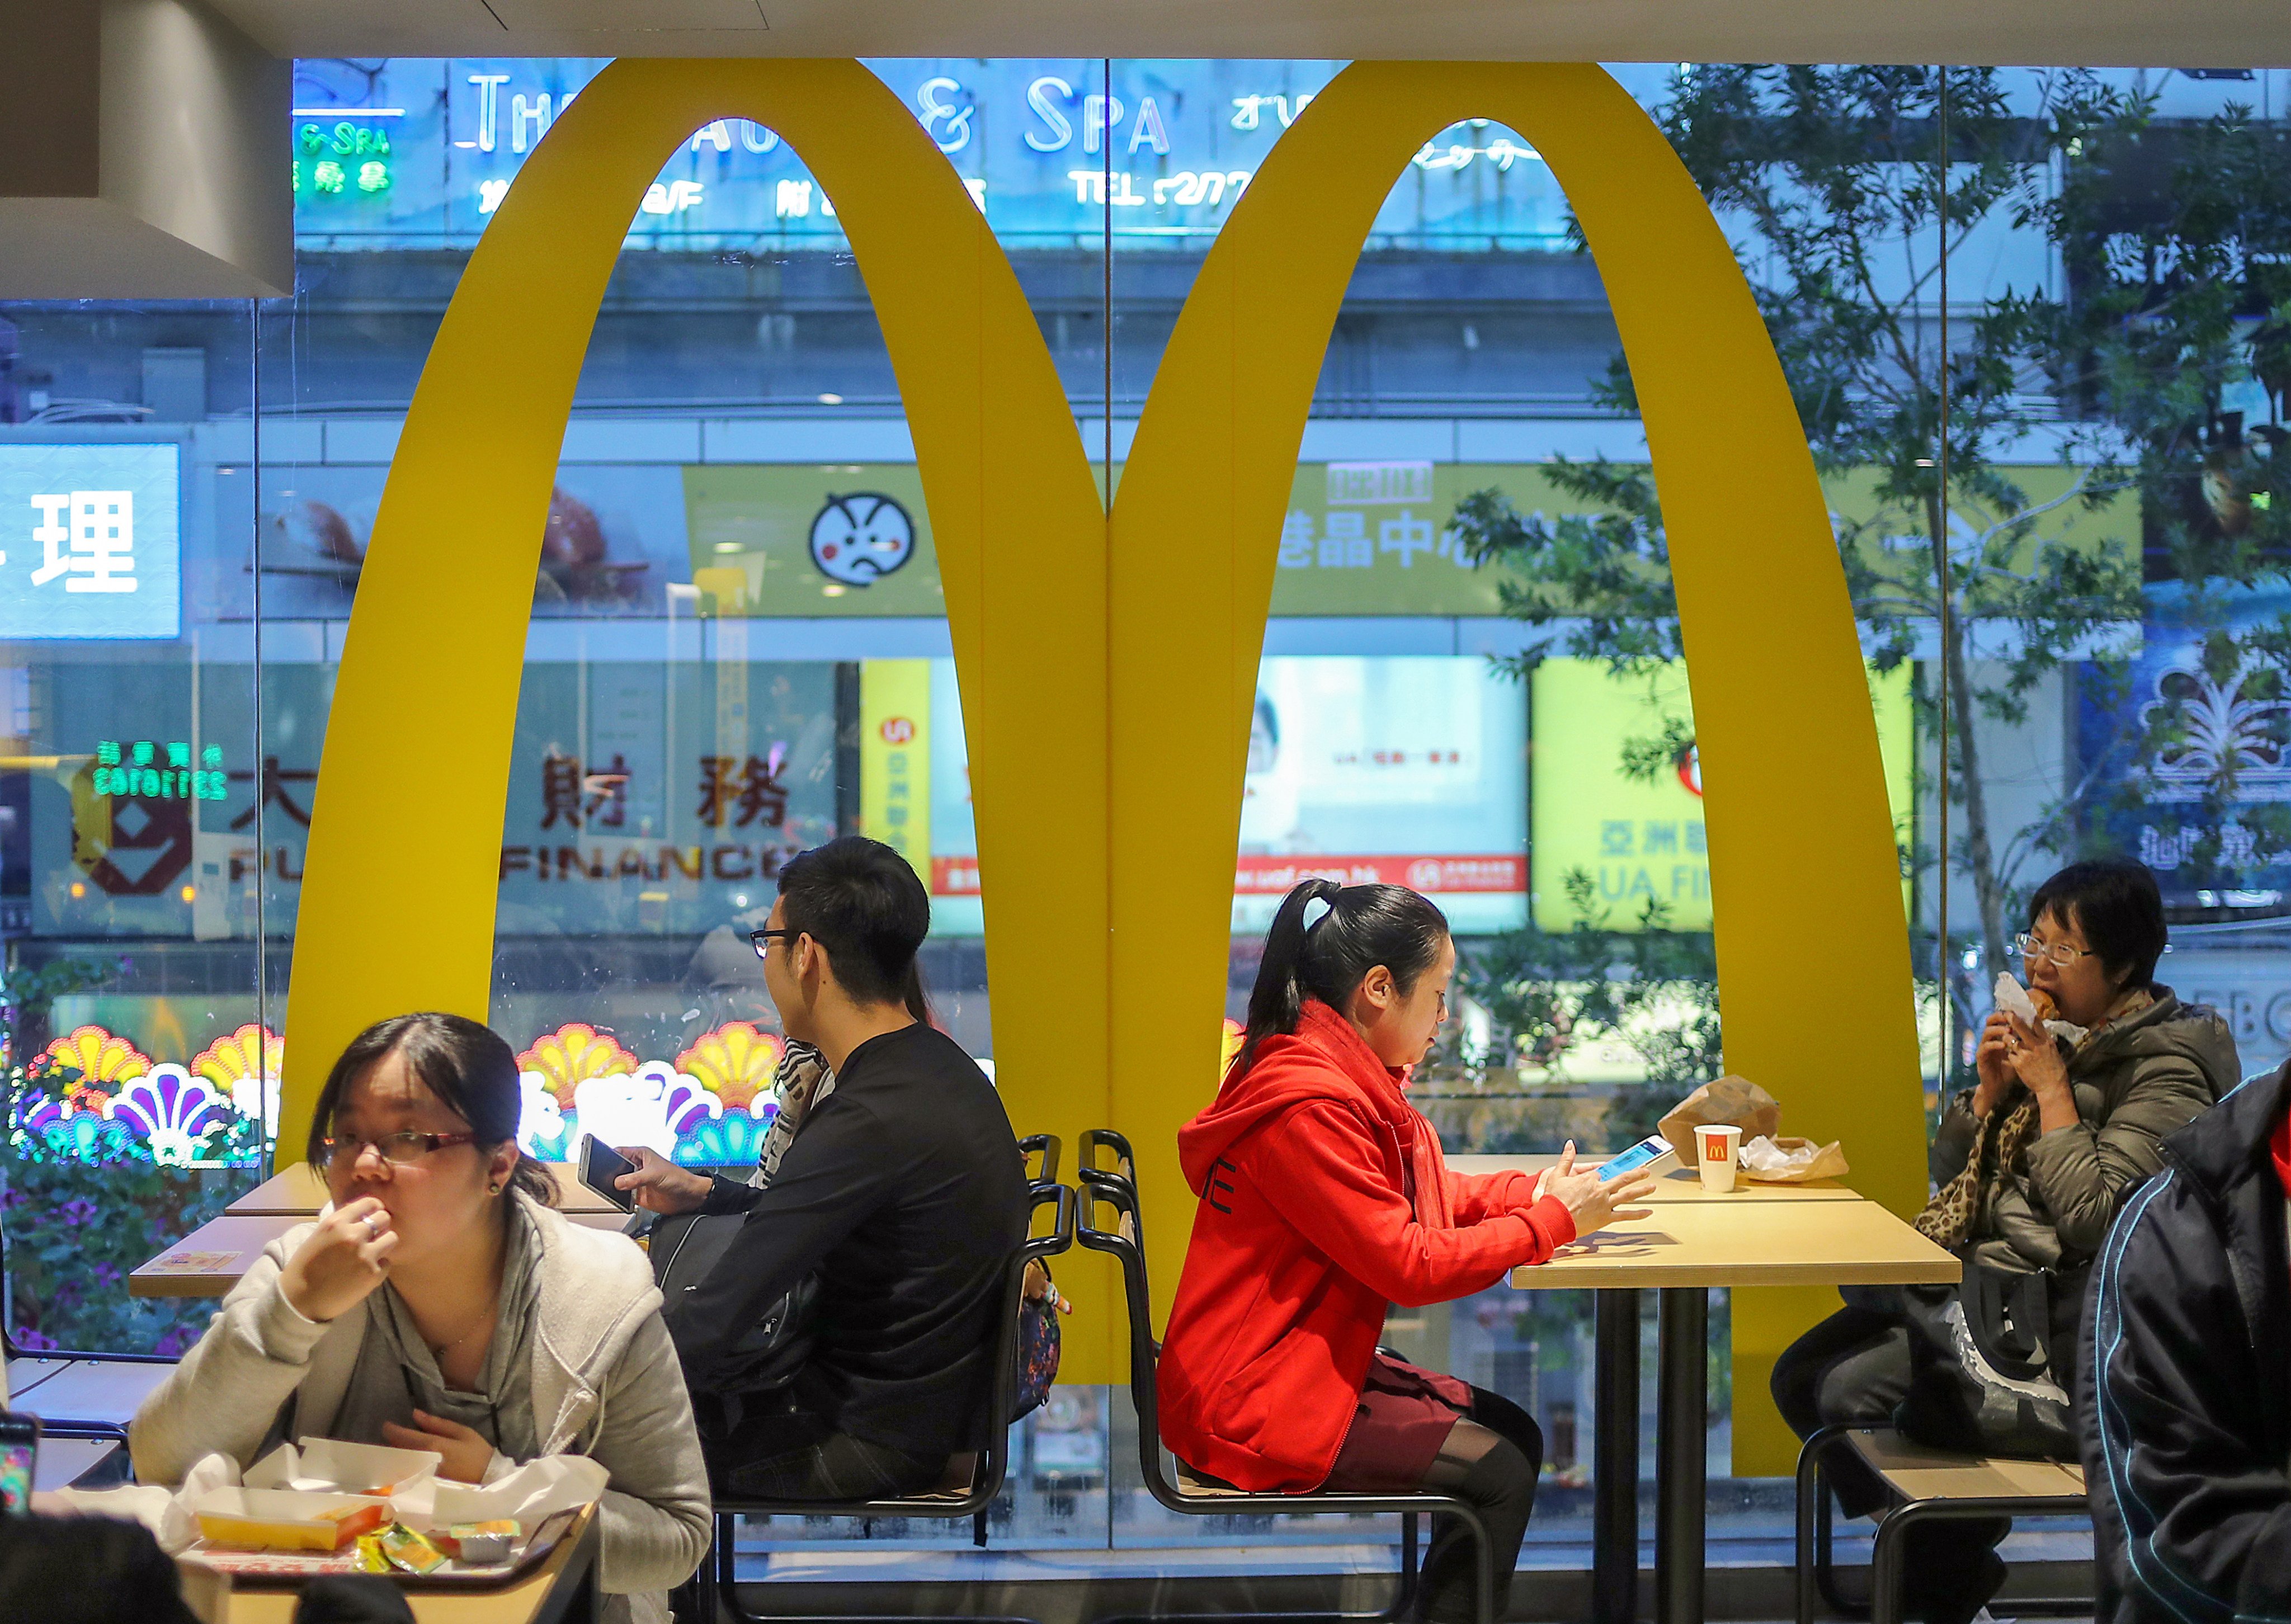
x,y
1639,836
408,152
90,543
895,752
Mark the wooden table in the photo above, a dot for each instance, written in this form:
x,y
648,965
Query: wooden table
x,y
214,1258
298,1190
1682,1250
562,1590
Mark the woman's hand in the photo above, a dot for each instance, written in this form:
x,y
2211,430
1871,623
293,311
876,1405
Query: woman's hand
x,y
2037,1061
466,1453
659,1185
1993,1060
1595,1202
344,1260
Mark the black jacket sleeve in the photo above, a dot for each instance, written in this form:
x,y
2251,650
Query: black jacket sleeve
x,y
2191,1521
728,1195
831,1180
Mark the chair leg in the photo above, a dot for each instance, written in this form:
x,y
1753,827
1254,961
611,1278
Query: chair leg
x,y
1405,1596
1888,1573
1825,1546
1810,1488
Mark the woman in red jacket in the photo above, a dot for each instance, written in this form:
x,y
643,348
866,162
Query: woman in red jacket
x,y
1324,1201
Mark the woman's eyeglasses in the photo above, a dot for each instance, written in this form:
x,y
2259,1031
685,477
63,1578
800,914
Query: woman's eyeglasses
x,y
398,1149
2059,952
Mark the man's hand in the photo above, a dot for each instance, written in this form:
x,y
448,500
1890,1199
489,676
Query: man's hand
x,y
659,1185
342,1262
1595,1203
467,1453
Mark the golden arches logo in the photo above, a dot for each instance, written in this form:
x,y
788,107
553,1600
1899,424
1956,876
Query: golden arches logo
x,y
1115,643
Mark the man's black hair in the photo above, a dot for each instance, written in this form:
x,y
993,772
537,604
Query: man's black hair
x,y
858,899
2115,902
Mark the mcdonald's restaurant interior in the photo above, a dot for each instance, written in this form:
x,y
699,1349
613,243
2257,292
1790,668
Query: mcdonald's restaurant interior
x,y
485,483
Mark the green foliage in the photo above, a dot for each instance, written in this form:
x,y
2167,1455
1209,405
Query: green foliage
x,y
83,1202
1548,992
2176,241
79,1211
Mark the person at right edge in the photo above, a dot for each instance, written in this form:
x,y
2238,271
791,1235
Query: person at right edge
x,y
1324,1201
2030,1167
905,1192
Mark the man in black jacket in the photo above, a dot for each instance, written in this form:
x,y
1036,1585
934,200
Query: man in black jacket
x,y
2186,1391
902,1191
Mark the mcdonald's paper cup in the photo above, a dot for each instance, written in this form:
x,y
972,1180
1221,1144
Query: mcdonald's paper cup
x,y
1717,1145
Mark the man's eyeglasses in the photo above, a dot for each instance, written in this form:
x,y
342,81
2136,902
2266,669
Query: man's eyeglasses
x,y
398,1149
2059,952
761,940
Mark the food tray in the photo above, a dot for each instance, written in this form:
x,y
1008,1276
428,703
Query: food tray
x,y
294,1567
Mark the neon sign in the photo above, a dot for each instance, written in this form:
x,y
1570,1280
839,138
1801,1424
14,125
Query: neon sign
x,y
139,769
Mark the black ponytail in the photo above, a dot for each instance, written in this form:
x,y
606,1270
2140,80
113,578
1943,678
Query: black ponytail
x,y
1365,926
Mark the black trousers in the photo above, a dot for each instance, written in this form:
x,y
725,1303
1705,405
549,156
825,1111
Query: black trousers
x,y
1853,1369
770,1447
1489,1459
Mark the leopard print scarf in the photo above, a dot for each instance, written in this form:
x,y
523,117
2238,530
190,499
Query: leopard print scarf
x,y
1949,1218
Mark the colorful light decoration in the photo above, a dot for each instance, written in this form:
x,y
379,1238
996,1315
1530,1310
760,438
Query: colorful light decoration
x,y
710,1108
736,1062
571,1055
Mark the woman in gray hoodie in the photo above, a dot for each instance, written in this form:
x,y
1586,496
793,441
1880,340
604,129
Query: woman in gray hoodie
x,y
440,1303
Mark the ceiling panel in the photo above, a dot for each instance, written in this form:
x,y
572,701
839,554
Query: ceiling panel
x,y
2137,32
618,17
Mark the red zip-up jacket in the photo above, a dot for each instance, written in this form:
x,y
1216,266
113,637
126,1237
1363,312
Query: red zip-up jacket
x,y
1324,1201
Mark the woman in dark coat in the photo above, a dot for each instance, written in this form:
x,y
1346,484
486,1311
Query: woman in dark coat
x,y
2029,1167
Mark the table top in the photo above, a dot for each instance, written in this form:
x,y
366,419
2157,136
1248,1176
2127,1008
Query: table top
x,y
1747,1243
214,1258
1680,1184
297,1190
541,1594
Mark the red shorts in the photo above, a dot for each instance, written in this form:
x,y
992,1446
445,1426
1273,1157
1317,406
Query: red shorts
x,y
1405,1416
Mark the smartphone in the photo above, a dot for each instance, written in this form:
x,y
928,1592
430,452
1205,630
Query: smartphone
x,y
1652,1155
19,1450
601,1164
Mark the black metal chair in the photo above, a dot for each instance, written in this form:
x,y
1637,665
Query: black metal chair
x,y
1046,1147
1928,1485
1180,1490
1124,1165
717,1576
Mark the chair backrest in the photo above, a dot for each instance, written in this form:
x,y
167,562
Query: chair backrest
x,y
988,1480
1123,1164
1046,1145
1124,1241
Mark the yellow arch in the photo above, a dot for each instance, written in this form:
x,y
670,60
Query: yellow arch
x,y
398,895
1800,838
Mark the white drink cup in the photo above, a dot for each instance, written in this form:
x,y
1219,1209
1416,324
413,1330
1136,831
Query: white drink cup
x,y
1717,1146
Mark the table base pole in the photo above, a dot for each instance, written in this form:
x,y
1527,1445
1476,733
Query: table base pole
x,y
1682,1433
1615,1463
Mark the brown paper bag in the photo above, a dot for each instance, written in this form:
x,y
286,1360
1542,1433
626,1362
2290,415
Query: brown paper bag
x,y
1829,1162
1730,1099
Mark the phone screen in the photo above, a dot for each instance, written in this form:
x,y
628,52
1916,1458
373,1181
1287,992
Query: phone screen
x,y
19,1443
601,1164
1633,1159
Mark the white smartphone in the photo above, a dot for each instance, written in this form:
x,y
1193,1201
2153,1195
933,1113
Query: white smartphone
x,y
1652,1155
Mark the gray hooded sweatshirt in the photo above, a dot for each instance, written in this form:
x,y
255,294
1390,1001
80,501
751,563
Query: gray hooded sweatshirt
x,y
598,1378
